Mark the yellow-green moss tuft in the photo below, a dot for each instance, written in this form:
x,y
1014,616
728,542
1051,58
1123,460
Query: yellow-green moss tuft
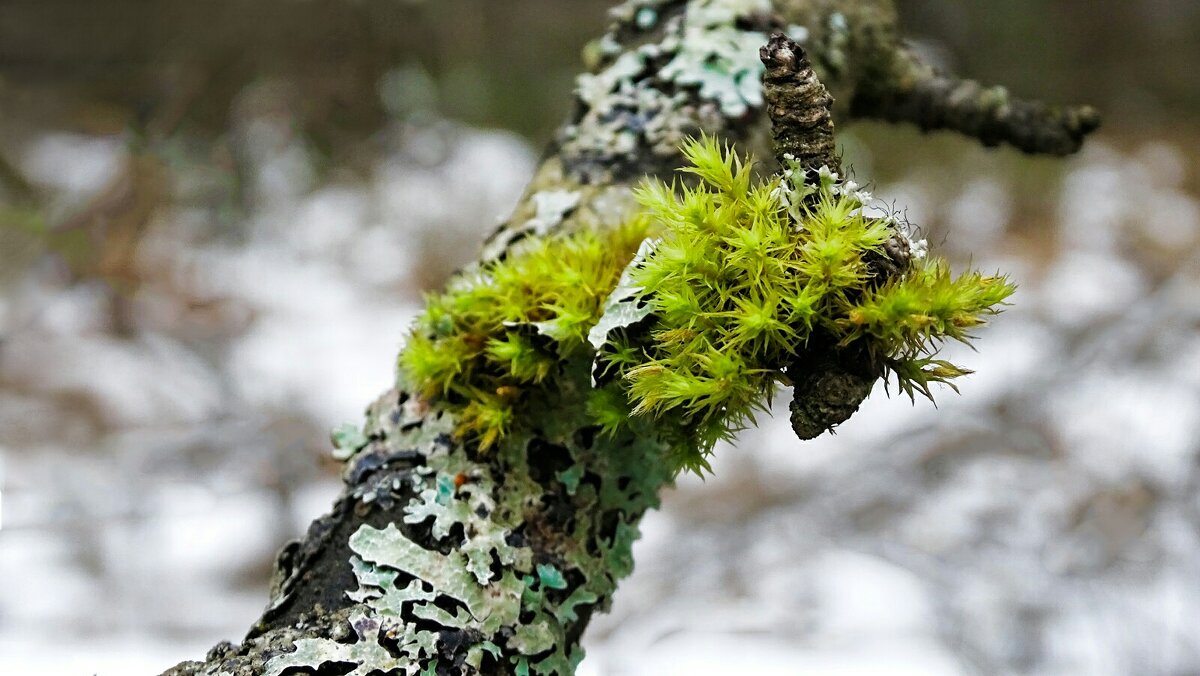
x,y
746,274
500,331
743,275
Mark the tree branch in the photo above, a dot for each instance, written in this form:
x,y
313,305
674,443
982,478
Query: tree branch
x,y
903,88
800,107
829,382
440,558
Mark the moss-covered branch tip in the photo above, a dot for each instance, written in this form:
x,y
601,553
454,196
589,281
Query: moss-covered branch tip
x,y
736,285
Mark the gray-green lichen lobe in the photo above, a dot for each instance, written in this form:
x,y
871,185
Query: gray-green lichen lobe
x,y
253,655
556,202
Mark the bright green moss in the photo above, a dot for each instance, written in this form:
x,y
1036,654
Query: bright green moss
x,y
746,274
501,332
743,276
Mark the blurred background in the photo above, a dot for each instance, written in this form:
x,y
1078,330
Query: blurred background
x,y
217,219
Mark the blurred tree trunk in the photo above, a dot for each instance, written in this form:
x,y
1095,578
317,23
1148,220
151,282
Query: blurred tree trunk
x,y
439,559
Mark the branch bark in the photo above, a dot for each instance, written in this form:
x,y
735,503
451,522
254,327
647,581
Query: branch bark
x,y
827,389
439,558
907,90
799,106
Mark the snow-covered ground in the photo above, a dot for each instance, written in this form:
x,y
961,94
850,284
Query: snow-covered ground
x,y
1046,521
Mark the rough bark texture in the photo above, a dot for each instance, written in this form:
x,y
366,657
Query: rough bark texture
x,y
438,558
800,107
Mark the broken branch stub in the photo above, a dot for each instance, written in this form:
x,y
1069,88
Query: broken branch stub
x,y
799,106
829,381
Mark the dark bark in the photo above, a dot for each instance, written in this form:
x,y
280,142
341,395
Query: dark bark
x,y
911,91
800,107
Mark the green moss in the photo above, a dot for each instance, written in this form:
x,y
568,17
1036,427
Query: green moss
x,y
747,273
486,344
696,332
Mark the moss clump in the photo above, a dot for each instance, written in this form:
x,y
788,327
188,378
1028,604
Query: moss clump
x,y
747,273
500,332
746,276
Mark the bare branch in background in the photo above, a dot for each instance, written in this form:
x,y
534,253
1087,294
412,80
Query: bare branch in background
x,y
903,88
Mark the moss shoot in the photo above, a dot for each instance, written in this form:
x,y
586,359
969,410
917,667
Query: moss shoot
x,y
735,280
502,331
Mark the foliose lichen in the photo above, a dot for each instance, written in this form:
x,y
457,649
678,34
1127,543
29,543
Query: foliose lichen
x,y
702,73
367,654
478,563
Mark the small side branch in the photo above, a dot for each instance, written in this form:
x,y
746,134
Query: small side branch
x,y
799,106
910,90
829,381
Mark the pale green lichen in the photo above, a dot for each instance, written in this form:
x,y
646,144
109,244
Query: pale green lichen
x,y
720,59
490,606
570,478
367,654
551,206
595,89
347,439
621,308
702,73
480,524
550,577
